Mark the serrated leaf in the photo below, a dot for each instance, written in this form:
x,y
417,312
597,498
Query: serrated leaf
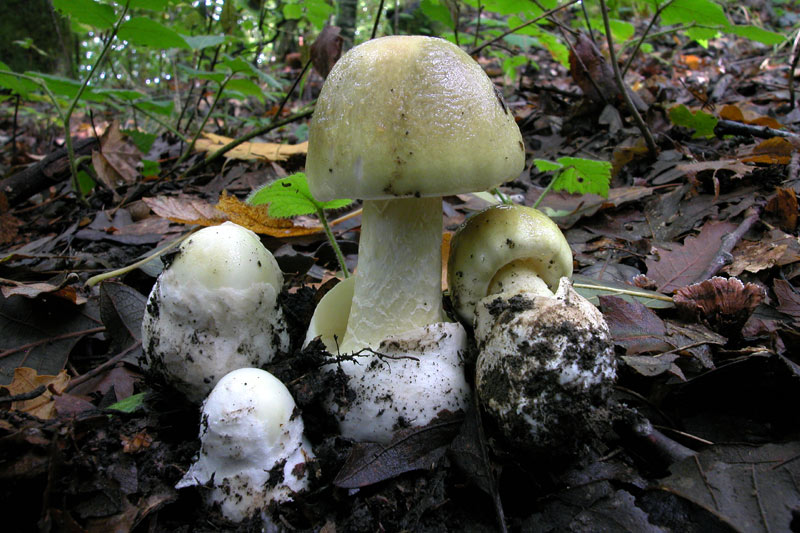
x,y
144,31
289,197
543,165
583,176
702,123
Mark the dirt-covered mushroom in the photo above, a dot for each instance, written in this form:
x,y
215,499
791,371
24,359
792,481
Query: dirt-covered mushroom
x,y
546,364
214,309
253,451
400,122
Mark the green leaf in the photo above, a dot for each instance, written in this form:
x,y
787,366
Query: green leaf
x,y
152,5
143,141
292,11
238,65
85,182
246,87
702,123
583,176
754,33
129,404
67,87
123,94
203,74
509,7
144,31
163,108
437,11
18,85
198,42
150,168
95,14
543,165
703,12
290,197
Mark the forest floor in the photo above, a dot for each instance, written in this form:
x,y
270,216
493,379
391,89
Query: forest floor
x,y
715,367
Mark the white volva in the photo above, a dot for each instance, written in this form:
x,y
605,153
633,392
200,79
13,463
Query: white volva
x,y
252,445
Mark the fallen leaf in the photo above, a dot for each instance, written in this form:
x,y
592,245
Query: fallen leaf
x,y
121,310
738,168
255,218
34,290
683,264
783,206
185,210
410,449
774,151
326,50
754,257
633,326
28,380
117,159
788,298
652,366
751,488
250,151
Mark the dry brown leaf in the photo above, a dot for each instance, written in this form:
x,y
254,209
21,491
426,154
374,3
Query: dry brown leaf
x,y
732,112
10,288
754,257
738,168
775,151
116,161
255,218
185,210
326,50
251,151
27,380
784,207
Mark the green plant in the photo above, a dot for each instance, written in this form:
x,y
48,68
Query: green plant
x,y
575,175
289,197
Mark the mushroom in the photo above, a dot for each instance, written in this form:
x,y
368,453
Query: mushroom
x,y
546,363
253,451
214,309
400,122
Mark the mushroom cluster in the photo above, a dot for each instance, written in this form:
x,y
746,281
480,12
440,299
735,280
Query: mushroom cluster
x,y
253,451
214,309
400,122
546,362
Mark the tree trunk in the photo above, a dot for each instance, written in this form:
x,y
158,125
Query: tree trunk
x,y
346,20
48,30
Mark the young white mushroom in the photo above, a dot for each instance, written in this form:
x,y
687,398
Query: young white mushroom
x,y
546,362
400,122
253,451
214,309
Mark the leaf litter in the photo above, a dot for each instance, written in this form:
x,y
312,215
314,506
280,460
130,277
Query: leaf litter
x,y
714,367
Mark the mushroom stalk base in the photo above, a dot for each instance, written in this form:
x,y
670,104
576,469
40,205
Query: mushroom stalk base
x,y
398,284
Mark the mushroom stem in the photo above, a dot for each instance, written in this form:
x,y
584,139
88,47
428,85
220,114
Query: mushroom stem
x,y
398,285
519,276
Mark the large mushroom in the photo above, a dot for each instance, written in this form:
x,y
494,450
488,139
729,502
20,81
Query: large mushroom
x,y
400,122
546,363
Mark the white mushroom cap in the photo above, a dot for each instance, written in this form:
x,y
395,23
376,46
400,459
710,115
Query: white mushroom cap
x,y
252,445
409,116
499,244
213,310
546,366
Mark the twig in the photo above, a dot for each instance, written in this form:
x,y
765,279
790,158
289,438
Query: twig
x,y
213,106
638,45
61,337
795,59
516,29
101,368
648,137
377,20
731,127
729,241
24,396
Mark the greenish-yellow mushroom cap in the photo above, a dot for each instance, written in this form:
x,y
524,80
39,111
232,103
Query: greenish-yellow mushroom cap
x,y
410,116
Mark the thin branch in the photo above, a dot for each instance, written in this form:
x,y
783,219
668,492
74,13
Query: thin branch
x,y
648,137
638,45
34,344
516,29
377,20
